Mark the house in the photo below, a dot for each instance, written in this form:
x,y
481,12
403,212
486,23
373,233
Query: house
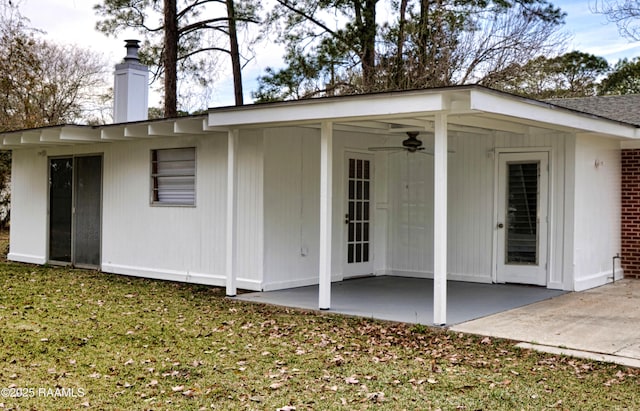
x,y
476,185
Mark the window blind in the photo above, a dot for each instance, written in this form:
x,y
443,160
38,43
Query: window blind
x,y
173,175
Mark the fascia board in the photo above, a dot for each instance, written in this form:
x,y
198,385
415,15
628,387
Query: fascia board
x,y
30,137
544,113
80,134
339,109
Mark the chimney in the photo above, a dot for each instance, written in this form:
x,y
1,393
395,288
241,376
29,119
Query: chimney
x,y
131,87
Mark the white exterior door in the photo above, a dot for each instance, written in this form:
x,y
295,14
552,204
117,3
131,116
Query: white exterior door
x,y
522,218
358,250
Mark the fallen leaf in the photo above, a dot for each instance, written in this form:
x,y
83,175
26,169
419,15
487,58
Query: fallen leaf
x,y
376,396
338,360
351,380
129,361
275,385
485,340
177,388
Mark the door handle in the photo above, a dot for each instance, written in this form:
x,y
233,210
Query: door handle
x,y
500,225
346,219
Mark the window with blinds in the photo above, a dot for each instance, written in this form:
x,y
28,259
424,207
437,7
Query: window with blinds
x,y
173,176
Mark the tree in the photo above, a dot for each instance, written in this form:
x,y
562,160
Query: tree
x,y
624,78
430,43
180,37
41,84
574,74
625,13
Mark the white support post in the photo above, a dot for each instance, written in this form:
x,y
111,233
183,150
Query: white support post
x,y
440,221
232,212
326,177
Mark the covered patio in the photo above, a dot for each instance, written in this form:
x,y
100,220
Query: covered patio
x,y
408,300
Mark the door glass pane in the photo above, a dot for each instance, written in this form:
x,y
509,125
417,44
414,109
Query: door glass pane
x,y
522,213
358,211
60,201
88,177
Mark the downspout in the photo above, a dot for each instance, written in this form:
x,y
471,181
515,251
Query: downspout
x,y
613,271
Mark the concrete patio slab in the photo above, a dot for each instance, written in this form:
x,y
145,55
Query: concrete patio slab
x,y
408,299
602,320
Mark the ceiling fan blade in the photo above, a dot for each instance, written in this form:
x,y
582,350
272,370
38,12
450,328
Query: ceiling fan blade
x,y
386,148
430,152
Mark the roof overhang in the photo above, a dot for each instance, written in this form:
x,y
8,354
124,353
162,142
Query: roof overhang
x,y
470,109
68,135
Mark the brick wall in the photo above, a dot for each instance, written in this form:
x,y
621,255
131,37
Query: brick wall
x,y
630,162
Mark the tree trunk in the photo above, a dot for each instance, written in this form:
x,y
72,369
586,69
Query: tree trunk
x,y
170,60
235,53
399,71
368,32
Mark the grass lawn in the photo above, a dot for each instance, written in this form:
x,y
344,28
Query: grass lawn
x,y
82,339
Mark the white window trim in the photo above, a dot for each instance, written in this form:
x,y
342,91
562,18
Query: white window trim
x,y
153,176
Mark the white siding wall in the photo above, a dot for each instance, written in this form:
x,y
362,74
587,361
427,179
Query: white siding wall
x,y
250,237
291,207
471,206
291,204
597,214
176,243
278,214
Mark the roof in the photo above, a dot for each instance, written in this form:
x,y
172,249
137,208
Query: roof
x,y
471,109
624,108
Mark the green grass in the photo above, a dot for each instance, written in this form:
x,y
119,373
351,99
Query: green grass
x,y
132,344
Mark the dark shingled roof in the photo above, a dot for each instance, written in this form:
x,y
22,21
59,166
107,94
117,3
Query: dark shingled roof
x,y
621,108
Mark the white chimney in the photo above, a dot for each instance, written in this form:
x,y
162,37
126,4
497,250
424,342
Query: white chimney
x,y
131,87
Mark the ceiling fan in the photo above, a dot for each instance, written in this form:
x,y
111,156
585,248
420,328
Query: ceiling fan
x,y
411,144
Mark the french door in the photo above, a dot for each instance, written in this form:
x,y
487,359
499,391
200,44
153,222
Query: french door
x,y
75,210
358,212
522,218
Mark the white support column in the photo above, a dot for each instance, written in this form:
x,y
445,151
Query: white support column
x,y
232,212
440,221
326,177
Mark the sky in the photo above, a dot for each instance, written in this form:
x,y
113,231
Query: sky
x,y
73,22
